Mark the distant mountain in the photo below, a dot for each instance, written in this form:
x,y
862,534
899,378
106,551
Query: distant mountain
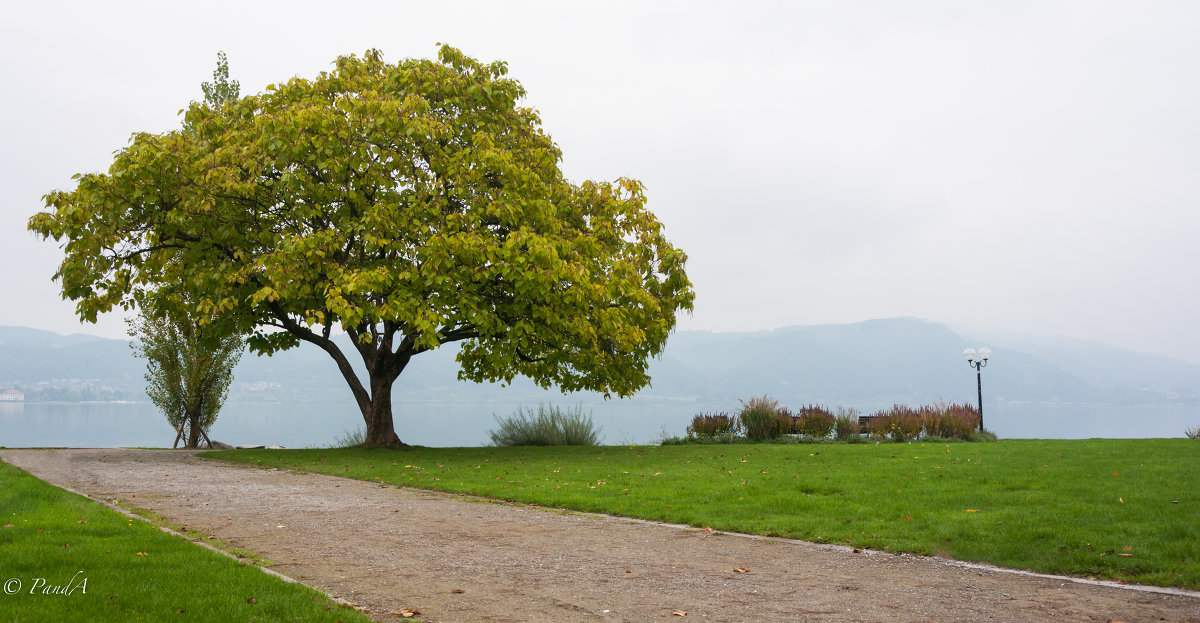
x,y
1103,365
876,363
866,365
22,336
28,356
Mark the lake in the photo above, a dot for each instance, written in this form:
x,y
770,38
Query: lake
x,y
622,422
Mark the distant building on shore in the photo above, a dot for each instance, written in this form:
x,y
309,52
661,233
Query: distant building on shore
x,y
12,395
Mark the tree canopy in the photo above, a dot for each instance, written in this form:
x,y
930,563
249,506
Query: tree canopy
x,y
411,204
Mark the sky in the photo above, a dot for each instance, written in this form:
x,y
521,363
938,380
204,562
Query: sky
x,y
1001,167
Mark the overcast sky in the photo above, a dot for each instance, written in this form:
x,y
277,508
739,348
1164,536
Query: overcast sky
x,y
1000,166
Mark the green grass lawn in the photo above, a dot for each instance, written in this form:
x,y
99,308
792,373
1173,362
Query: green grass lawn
x,y
66,558
1117,509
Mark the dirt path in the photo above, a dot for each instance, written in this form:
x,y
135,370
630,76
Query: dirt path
x,y
459,560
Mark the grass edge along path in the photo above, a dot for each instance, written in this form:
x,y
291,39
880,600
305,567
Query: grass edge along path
x,y
70,558
1122,510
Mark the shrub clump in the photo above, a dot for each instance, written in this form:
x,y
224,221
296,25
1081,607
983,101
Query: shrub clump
x,y
762,418
900,423
1193,432
845,424
939,420
350,438
953,421
549,426
712,426
813,421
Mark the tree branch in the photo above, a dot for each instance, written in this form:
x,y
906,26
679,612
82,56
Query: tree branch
x,y
327,345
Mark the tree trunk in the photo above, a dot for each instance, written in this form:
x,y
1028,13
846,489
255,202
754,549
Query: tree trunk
x,y
193,416
193,440
377,409
377,413
383,366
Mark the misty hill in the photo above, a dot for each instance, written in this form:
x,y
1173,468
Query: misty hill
x,y
28,356
866,365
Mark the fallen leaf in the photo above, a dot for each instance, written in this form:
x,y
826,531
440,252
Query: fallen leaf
x,y
1115,474
82,521
457,591
8,525
972,510
1128,549
251,601
1121,500
142,554
857,551
408,614
1172,501
681,613
708,529
1125,555
741,570
907,518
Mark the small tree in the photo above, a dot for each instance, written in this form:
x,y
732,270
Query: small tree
x,y
189,356
189,368
221,89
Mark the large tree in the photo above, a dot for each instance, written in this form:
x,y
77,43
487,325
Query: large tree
x,y
412,205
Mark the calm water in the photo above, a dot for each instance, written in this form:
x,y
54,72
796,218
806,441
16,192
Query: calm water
x,y
319,424
302,425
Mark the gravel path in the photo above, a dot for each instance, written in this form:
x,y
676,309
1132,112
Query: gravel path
x,y
453,559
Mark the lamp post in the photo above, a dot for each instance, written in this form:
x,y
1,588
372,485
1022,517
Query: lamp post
x,y
978,361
